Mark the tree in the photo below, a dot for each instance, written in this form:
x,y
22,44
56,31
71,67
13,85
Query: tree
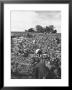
x,y
55,31
51,27
47,29
25,31
39,28
31,30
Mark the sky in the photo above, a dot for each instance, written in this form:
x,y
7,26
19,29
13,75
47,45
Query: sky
x,y
23,20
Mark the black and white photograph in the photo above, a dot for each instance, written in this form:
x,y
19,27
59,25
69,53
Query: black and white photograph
x,y
35,44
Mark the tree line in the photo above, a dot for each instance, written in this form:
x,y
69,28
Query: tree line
x,y
40,29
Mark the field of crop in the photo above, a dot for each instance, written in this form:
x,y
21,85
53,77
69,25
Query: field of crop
x,y
26,63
